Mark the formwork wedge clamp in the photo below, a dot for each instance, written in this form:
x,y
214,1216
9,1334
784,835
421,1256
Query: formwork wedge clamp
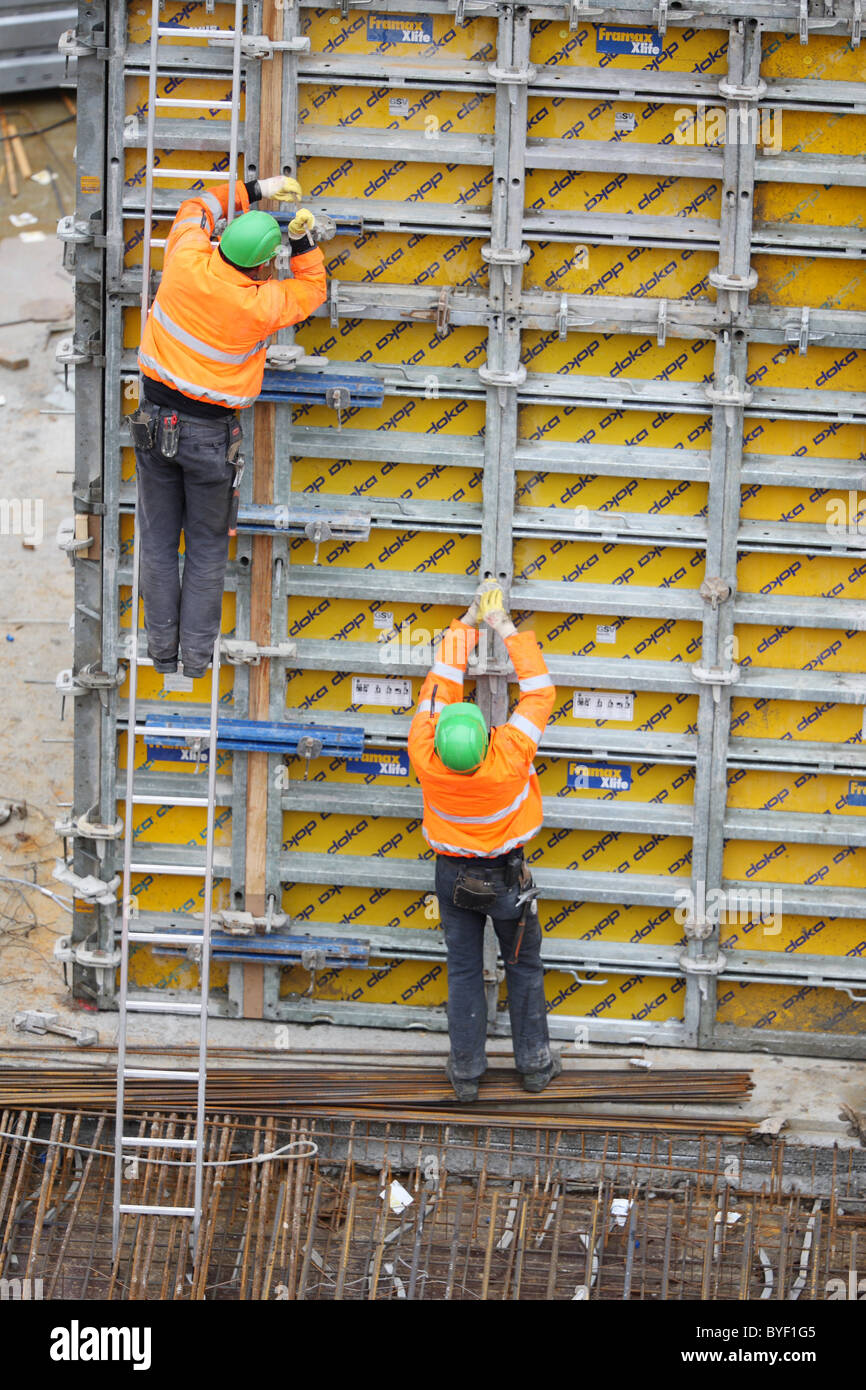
x,y
238,652
262,46
70,685
716,676
83,828
43,1021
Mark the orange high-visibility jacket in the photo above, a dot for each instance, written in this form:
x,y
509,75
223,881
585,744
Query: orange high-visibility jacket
x,y
498,806
208,327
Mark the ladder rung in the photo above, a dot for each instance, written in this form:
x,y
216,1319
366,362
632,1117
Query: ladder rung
x,y
165,938
193,174
135,1209
130,1141
177,731
157,1074
160,1006
175,31
201,103
146,866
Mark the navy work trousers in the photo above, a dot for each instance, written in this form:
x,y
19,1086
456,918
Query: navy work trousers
x,y
190,493
467,1005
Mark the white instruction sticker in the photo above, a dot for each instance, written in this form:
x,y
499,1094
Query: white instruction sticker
x,y
383,619
624,122
603,704
603,633
372,690
398,106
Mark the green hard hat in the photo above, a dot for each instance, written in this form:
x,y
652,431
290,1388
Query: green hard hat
x,y
461,737
251,239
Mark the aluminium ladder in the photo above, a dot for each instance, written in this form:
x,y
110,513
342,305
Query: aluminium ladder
x,y
126,1146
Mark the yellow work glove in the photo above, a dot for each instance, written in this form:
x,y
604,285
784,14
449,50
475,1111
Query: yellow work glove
x,y
491,610
302,223
281,187
470,617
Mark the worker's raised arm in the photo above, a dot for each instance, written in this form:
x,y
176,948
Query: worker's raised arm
x,y
446,678
537,692
197,216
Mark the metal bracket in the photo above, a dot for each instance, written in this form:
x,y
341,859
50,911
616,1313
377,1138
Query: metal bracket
x,y
572,14
80,828
728,397
715,590
734,284
70,685
283,355
334,303
702,965
735,91
66,538
519,77
660,16
73,44
238,652
804,21
856,23
662,325
562,319
88,887
799,332
339,399
78,233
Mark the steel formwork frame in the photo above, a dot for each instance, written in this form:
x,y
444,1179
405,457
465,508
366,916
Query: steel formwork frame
x,y
507,309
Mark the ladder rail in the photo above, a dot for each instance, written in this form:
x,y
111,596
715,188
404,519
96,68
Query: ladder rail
x,y
121,1141
236,106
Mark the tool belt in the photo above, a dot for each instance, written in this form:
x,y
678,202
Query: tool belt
x,y
479,885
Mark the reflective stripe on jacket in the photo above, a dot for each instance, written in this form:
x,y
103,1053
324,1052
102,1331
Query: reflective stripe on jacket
x,y
497,807
208,327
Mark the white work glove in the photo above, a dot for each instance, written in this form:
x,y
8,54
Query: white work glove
x,y
491,610
470,617
281,187
302,223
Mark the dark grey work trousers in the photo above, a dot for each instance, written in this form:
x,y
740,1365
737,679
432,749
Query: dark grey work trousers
x,y
467,1004
190,493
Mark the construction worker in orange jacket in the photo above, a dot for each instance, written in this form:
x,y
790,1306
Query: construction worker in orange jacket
x,y
202,358
482,803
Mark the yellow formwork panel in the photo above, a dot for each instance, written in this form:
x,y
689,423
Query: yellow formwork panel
x,y
827,56
413,259
380,479
796,719
833,576
795,1008
621,355
800,648
807,439
763,925
665,712
638,997
668,567
843,512
579,424
579,634
580,268
772,861
821,368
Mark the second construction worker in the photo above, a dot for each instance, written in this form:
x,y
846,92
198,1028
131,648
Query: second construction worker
x,y
202,358
482,803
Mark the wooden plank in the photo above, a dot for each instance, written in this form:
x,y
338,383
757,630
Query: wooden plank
x,y
7,154
261,567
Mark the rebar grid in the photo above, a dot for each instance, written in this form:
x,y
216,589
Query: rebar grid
x,y
562,1215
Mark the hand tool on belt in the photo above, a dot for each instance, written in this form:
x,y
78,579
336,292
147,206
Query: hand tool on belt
x,y
476,890
236,459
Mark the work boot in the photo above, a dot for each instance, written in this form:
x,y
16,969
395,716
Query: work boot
x,y
465,1091
537,1080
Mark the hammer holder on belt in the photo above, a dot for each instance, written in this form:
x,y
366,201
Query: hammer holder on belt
x,y
236,459
169,434
142,429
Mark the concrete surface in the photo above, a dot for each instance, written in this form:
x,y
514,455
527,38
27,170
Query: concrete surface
x,y
36,446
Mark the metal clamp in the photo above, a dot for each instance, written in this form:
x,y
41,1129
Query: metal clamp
x,y
505,255
43,1021
856,23
734,284
238,652
660,17
491,376
714,590
442,311
283,355
88,887
728,397
716,677
73,44
308,747
799,332
519,77
334,302
78,233
804,21
70,685
247,923
80,828
702,965
66,539
735,91
339,398
662,325
562,319
572,14
697,928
